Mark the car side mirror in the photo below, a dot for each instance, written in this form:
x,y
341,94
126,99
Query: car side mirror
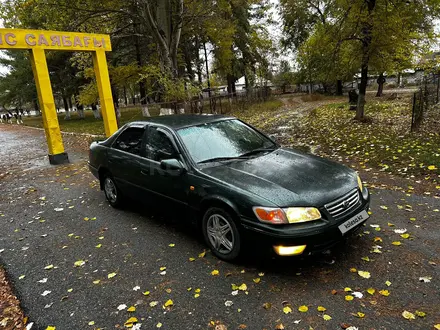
x,y
172,166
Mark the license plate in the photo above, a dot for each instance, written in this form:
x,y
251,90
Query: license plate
x,y
353,221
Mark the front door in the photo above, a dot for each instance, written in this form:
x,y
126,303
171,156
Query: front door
x,y
166,187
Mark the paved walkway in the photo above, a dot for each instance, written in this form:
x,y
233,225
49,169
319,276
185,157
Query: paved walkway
x,y
52,218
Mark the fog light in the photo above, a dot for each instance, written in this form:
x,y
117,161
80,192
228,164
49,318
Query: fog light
x,y
289,250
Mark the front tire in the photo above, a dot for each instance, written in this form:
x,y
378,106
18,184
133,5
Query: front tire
x,y
221,234
112,192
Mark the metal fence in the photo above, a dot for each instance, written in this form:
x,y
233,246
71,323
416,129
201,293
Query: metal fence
x,y
423,100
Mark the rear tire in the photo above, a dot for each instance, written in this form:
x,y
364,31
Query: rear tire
x,y
221,234
111,191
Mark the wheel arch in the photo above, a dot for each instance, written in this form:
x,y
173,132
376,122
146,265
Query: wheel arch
x,y
102,172
220,202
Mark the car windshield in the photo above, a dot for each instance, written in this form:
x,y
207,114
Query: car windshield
x,y
223,140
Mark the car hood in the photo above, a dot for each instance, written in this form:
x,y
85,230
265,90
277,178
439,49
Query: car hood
x,y
288,177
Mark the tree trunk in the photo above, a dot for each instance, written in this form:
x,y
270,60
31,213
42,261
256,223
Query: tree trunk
x,y
398,79
231,84
366,43
380,82
125,96
339,88
66,108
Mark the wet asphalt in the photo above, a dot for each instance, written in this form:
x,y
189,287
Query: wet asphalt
x,y
52,217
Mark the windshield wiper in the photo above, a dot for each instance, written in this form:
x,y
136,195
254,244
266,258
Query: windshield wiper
x,y
258,150
219,159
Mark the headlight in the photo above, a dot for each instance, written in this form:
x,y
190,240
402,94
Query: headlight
x,y
361,186
288,215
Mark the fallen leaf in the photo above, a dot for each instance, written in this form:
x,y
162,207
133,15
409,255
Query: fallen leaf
x,y
360,315
303,308
371,291
405,235
96,281
326,317
48,267
146,293
122,307
79,263
92,323
111,275
436,326
261,274
50,327
228,303
321,309
242,287
420,314
129,323
131,309
383,207
280,326
388,283
287,310
69,290
214,272
192,259
385,293
396,243
172,245
162,268
357,294
168,303
45,293
98,246
153,303
364,274
21,277
158,325
425,279
432,167
365,259
349,298
347,289
201,255
267,305
257,280
408,315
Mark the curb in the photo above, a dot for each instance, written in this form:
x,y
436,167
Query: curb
x,y
66,133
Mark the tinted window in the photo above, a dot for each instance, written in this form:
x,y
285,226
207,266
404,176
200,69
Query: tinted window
x,y
229,138
159,146
130,140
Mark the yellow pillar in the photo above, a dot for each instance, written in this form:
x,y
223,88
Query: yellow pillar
x,y
105,92
47,106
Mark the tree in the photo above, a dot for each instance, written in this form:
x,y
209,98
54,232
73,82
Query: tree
x,y
370,28
284,77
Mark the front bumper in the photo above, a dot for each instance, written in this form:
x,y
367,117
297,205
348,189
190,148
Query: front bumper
x,y
316,236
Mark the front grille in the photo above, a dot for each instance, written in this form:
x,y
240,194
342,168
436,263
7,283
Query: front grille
x,y
344,204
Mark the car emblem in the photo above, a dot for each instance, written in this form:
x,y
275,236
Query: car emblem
x,y
345,204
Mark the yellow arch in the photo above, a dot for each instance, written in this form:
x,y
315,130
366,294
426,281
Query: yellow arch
x,y
37,42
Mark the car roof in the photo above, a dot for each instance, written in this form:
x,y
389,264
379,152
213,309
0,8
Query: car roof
x,y
180,121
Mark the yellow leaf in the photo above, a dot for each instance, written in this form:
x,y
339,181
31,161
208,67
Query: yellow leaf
x,y
48,267
365,258
257,280
371,291
420,314
196,295
214,272
159,325
321,309
303,308
169,303
383,207
390,224
172,245
197,290
162,268
242,287
131,309
189,289
326,317
153,303
408,315
364,274
388,283
92,323
437,326
261,274
98,246
50,327
347,289
432,167
412,219
111,275
406,235
96,281
349,298
86,219
130,321
377,239
79,263
192,259
201,255
69,290
287,310
353,270
146,293
385,293
396,243
267,305
360,315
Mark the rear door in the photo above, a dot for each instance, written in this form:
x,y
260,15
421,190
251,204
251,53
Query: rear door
x,y
123,159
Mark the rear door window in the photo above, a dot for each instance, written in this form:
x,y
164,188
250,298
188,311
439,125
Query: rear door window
x,y
130,140
159,145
